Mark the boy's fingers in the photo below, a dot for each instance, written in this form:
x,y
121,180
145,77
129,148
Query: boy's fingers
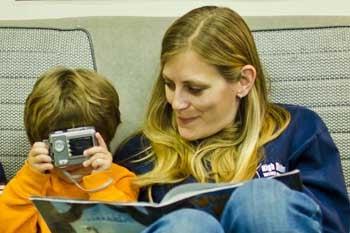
x,y
100,164
100,140
96,163
90,161
39,151
40,144
96,150
44,166
39,159
86,163
101,147
43,158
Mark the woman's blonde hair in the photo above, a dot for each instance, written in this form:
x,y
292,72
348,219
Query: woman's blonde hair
x,y
222,39
65,98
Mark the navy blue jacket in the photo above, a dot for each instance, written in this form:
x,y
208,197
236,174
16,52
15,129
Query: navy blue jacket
x,y
2,175
305,145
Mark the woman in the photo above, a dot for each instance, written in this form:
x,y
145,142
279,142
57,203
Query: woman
x,y
209,120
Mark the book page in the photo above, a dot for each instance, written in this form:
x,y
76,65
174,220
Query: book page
x,y
183,191
132,217
192,189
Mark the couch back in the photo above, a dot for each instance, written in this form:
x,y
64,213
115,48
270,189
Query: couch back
x,y
25,53
309,67
298,55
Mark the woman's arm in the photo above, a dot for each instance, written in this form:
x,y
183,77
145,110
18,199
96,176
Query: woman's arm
x,y
321,171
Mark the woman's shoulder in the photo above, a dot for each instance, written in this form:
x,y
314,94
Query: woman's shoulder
x,y
131,146
304,131
304,127
299,110
304,119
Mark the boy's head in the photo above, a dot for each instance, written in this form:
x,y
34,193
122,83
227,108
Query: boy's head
x,y
65,98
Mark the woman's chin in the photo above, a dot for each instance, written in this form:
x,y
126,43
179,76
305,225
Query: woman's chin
x,y
188,135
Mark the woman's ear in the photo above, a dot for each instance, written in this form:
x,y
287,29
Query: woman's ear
x,y
248,76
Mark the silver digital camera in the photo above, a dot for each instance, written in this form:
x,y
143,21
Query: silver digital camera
x,y
66,147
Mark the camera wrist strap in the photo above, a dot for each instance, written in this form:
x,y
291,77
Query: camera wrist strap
x,y
103,186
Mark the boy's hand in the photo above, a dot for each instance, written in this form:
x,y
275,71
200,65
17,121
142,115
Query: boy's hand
x,y
100,158
39,159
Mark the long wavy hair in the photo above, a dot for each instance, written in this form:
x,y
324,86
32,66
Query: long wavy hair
x,y
222,39
65,98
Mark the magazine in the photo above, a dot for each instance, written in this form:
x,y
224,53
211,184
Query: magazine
x,y
71,215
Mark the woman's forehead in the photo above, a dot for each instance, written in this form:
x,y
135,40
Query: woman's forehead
x,y
188,66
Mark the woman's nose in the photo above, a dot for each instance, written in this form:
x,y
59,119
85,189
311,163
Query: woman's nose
x,y
179,101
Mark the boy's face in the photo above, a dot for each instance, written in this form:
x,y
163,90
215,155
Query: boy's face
x,y
77,172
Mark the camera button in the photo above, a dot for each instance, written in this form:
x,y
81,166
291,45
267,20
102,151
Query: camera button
x,y
63,162
59,145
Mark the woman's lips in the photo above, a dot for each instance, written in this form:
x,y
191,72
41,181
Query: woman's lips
x,y
186,120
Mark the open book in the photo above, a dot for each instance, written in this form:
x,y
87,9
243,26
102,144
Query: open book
x,y
71,215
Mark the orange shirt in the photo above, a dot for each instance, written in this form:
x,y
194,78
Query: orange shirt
x,y
18,214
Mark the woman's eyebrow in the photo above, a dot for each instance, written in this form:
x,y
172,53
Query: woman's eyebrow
x,y
164,76
187,82
195,83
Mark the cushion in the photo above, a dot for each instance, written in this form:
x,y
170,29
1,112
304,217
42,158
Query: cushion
x,y
310,67
26,52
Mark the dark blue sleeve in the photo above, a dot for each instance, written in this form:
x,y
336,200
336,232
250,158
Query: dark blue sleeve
x,y
319,161
132,150
2,175
128,155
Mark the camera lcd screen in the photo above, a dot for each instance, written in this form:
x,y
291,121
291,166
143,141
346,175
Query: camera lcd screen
x,y
78,145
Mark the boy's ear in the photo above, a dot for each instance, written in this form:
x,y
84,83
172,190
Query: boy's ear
x,y
248,76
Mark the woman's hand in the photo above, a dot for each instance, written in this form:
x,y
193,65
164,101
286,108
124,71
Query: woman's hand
x,y
39,159
100,159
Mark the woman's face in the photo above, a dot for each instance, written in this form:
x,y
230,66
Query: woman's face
x,y
202,100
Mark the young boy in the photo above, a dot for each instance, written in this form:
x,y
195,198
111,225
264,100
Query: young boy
x,y
62,99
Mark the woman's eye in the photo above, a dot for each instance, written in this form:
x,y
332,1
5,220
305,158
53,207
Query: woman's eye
x,y
195,90
169,85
